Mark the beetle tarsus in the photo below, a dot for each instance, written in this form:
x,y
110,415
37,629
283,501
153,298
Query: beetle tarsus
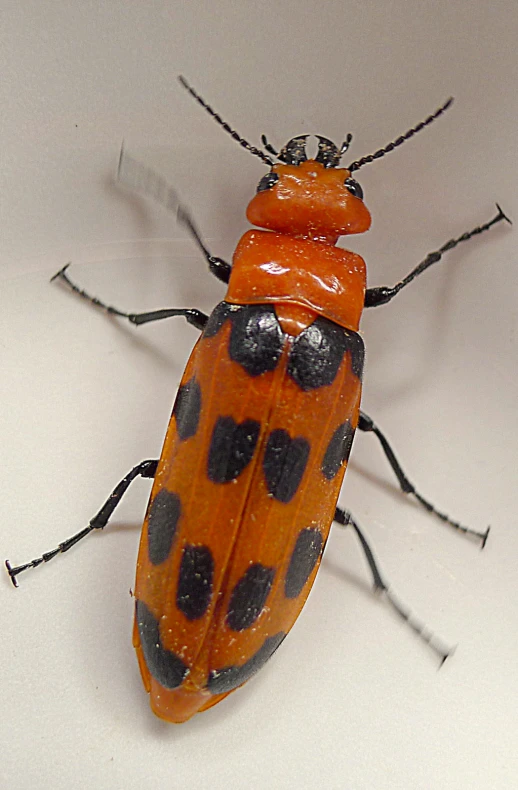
x,y
12,572
60,273
502,215
485,536
419,628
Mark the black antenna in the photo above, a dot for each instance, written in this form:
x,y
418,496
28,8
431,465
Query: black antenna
x,y
252,149
400,140
267,146
345,145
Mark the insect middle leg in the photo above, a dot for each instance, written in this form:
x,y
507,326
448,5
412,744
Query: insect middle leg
x,y
191,315
145,469
368,425
217,266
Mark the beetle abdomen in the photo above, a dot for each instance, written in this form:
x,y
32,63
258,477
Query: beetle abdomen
x,y
243,500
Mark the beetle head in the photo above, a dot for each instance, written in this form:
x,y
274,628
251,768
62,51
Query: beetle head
x,y
309,198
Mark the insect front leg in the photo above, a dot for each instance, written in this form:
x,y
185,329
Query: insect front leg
x,y
142,178
192,315
145,469
217,266
345,519
383,294
368,425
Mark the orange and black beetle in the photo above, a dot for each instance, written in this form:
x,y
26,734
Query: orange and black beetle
x,y
246,488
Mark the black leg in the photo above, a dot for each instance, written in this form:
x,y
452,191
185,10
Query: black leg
x,y
192,316
383,294
367,424
144,179
345,519
218,267
144,469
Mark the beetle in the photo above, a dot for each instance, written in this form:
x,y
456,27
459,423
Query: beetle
x,y
246,488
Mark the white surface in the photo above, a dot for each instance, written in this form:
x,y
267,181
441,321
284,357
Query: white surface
x,y
352,700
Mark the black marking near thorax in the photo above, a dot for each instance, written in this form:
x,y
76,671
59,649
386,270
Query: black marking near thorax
x,y
318,351
257,340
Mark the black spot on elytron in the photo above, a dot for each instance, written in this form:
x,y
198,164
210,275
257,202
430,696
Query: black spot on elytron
x,y
256,339
308,548
357,348
317,354
164,513
338,450
221,313
164,665
221,681
231,448
195,581
284,464
187,408
249,597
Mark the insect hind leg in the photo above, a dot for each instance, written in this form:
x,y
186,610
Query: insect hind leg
x,y
145,469
345,519
368,425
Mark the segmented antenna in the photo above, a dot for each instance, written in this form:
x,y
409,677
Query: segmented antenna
x,y
267,146
241,140
400,140
346,143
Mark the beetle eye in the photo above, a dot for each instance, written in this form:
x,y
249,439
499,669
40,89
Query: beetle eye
x,y
354,188
267,182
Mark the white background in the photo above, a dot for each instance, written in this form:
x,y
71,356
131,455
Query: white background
x,y
352,700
